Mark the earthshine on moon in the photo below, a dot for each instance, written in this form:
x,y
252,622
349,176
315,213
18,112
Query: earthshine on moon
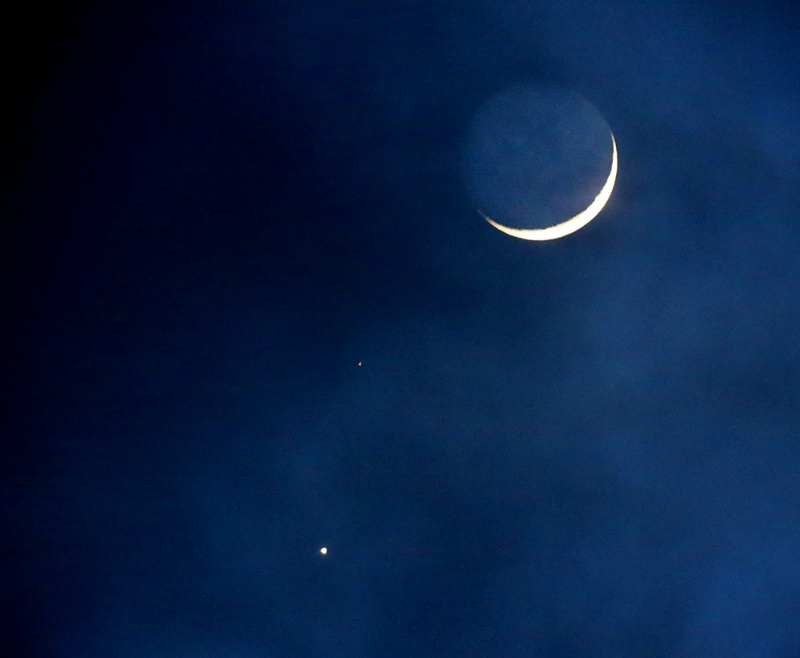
x,y
574,223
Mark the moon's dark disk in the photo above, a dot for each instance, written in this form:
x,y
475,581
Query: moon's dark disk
x,y
535,158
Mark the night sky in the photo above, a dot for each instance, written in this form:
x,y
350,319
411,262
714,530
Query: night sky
x,y
250,311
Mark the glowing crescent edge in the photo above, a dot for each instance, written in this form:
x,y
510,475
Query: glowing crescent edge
x,y
573,224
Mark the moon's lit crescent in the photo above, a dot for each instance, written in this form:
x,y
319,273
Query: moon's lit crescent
x,y
573,224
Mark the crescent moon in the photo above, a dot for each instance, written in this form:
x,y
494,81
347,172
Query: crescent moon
x,y
574,223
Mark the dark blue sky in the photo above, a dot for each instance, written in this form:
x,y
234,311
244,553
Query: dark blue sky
x,y
586,447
